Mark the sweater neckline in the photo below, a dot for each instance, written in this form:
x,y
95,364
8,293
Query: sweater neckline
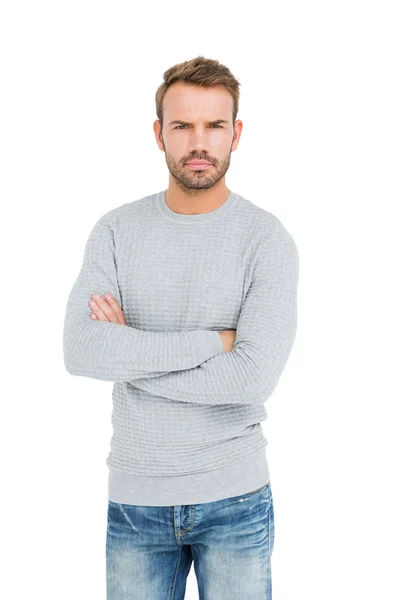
x,y
167,212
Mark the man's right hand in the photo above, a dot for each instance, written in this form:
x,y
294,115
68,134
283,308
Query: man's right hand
x,y
228,337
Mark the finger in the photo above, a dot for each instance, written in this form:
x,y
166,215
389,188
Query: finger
x,y
101,316
116,308
107,309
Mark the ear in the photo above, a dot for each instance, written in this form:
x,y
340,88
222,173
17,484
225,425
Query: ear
x,y
158,134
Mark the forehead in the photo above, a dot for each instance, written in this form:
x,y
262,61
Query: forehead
x,y
183,101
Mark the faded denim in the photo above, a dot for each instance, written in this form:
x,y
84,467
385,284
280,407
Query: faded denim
x,y
150,549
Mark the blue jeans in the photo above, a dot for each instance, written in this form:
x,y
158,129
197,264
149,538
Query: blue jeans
x,y
149,549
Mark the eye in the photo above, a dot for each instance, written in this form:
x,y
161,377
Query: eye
x,y
212,125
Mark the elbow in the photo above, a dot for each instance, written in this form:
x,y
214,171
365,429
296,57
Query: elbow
x,y
249,380
256,391
79,364
266,373
264,383
67,359
71,366
74,352
74,362
260,383
251,388
259,391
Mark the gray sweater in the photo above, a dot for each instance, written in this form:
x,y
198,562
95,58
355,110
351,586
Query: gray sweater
x,y
186,414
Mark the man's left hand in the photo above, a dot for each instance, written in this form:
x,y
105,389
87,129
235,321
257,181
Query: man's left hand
x,y
106,309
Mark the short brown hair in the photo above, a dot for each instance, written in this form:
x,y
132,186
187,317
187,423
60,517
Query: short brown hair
x,y
201,71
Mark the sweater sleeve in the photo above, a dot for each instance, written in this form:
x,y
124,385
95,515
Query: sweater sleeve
x,y
115,352
265,333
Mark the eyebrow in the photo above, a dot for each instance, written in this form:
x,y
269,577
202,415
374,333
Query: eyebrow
x,y
216,122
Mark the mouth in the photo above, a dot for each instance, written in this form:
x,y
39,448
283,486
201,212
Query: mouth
x,y
198,165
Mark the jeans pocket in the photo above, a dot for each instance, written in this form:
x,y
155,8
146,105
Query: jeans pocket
x,y
258,490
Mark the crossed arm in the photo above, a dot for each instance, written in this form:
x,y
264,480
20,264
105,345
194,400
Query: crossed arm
x,y
265,332
188,366
111,351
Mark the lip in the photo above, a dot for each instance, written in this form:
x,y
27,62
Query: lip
x,y
199,165
198,162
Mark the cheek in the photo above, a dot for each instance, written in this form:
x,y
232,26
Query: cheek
x,y
176,153
222,148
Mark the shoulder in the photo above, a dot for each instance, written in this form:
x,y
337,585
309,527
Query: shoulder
x,y
267,228
129,213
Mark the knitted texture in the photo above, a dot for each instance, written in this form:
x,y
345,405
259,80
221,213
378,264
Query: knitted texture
x,y
181,404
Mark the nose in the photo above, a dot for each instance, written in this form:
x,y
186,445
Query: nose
x,y
198,142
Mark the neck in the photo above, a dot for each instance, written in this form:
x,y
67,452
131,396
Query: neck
x,y
195,201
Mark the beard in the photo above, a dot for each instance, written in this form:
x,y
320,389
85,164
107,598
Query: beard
x,y
189,179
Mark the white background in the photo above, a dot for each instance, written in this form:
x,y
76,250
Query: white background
x,y
320,149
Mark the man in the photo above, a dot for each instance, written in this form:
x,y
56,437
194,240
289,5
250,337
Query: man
x,y
186,300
